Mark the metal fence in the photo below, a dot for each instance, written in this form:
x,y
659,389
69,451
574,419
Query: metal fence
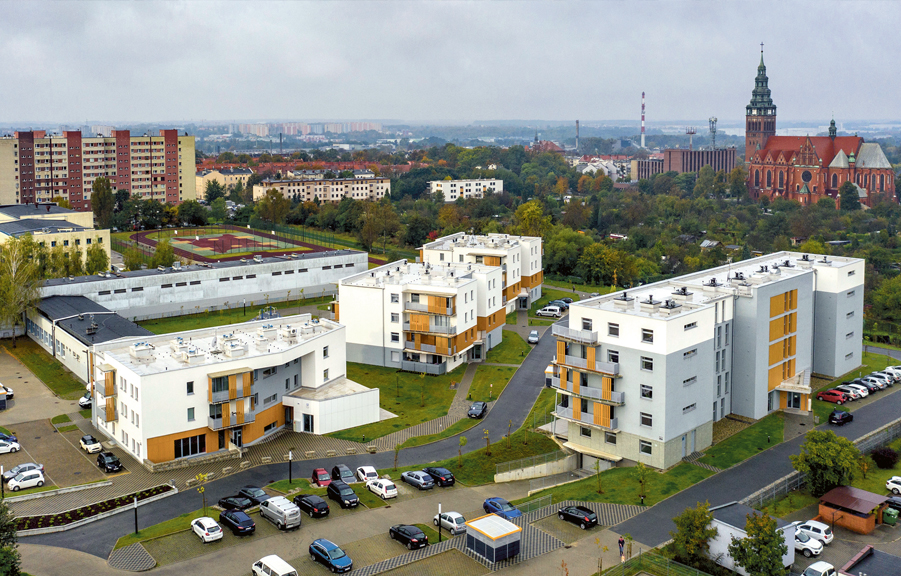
x,y
536,484
536,504
652,563
530,461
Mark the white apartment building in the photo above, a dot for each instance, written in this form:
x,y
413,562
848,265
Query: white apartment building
x,y
518,257
419,317
204,392
305,190
643,374
477,188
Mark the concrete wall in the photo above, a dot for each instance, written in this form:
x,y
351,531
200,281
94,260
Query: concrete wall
x,y
838,312
336,413
564,465
719,546
58,343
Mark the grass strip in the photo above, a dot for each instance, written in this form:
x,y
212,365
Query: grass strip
x,y
177,524
763,434
512,350
489,382
48,369
70,428
61,419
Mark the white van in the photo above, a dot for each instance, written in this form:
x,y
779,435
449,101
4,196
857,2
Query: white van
x,y
272,566
550,311
281,512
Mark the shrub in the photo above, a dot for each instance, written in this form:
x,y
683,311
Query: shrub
x,y
884,457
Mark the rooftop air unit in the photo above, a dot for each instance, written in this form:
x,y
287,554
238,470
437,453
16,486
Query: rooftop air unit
x,y
140,350
267,331
235,350
192,356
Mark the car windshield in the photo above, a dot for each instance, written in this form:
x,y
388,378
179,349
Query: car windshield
x,y
336,553
322,476
802,537
347,473
504,506
347,492
443,471
458,520
255,491
19,477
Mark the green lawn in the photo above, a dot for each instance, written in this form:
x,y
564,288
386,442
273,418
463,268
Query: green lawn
x,y
367,498
753,439
568,286
43,488
235,313
86,413
540,322
301,484
791,502
408,406
431,534
172,526
620,486
512,318
546,296
512,350
489,382
6,431
61,419
48,369
457,427
70,428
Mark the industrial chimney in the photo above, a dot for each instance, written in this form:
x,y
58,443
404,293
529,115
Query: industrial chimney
x,y
577,136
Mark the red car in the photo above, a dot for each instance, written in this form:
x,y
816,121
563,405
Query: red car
x,y
320,478
835,396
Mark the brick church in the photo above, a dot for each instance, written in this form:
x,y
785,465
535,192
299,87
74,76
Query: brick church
x,y
808,168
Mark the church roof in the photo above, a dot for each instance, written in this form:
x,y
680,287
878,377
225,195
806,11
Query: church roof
x,y
826,148
860,191
840,160
804,189
872,156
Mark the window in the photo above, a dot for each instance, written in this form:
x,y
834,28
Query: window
x,y
586,324
690,353
609,437
647,391
727,334
849,315
395,317
716,362
644,446
325,375
689,381
270,426
224,279
719,386
647,336
190,415
395,336
691,325
849,335
613,329
646,419
612,356
287,383
849,355
852,273
395,298
584,432
719,336
220,384
727,382
689,408
647,363
190,446
137,420
850,294
325,352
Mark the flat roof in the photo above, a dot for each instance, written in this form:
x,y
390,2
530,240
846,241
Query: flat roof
x,y
493,526
425,275
26,210
31,225
853,499
88,322
872,561
735,514
487,241
56,307
337,388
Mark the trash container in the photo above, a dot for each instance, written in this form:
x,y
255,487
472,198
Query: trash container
x,y
889,516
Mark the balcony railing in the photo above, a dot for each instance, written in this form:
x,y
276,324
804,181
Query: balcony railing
x,y
605,367
613,396
449,330
232,421
584,336
424,367
430,348
584,418
420,307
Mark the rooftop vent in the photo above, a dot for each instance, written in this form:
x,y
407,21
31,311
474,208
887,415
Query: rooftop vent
x,y
191,356
266,331
176,265
258,259
712,283
788,264
235,350
287,332
141,350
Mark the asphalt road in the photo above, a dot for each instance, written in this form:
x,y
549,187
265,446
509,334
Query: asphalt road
x,y
98,538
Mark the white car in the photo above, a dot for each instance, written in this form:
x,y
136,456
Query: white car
x,y
896,370
453,522
207,529
31,479
552,311
85,401
893,485
534,337
820,569
816,530
852,393
367,473
90,444
862,390
807,545
6,447
383,488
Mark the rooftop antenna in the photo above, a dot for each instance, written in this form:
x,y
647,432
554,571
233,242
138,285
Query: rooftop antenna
x,y
713,132
691,131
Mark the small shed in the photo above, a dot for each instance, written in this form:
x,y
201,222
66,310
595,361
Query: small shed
x,y
852,508
493,538
730,521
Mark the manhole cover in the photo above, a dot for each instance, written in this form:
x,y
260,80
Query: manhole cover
x,y
37,437
76,473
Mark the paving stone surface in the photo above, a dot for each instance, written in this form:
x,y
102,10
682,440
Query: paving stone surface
x,y
566,532
449,563
133,558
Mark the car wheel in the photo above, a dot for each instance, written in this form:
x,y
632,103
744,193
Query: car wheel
x,y
409,545
582,526
560,516
40,483
310,513
280,526
15,488
895,491
435,522
839,402
806,553
334,570
312,557
14,450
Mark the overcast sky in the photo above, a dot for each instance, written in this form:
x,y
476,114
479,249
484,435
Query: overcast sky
x,y
432,61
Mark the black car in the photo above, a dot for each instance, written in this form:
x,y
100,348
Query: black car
x,y
313,505
478,410
344,474
343,494
238,522
236,502
868,384
894,502
410,536
840,418
568,300
580,515
562,304
253,493
108,462
441,476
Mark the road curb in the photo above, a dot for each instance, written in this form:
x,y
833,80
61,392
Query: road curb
x,y
59,491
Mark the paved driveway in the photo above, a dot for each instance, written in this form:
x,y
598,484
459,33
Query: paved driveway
x,y
33,400
64,464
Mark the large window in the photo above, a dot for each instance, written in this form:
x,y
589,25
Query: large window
x,y
613,356
190,388
586,324
647,419
220,384
644,446
190,446
647,336
612,329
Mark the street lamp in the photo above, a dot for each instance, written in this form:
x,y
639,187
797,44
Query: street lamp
x,y
290,460
439,522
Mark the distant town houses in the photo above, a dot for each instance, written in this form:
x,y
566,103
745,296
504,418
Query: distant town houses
x,y
477,188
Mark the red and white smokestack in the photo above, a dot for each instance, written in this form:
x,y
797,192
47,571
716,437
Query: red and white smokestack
x,y
642,119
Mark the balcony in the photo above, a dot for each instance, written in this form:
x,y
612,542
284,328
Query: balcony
x,y
232,420
432,329
424,367
583,418
613,397
582,336
429,309
429,348
611,368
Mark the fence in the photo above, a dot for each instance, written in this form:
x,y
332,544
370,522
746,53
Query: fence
x,y
652,563
538,484
530,461
536,504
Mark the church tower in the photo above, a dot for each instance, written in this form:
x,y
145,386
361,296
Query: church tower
x,y
760,114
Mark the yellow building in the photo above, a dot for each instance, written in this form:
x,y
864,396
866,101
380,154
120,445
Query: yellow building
x,y
226,177
52,226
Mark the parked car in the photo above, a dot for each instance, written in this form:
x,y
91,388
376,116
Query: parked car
x,y
331,555
281,512
26,467
25,480
561,304
272,566
499,506
820,569
238,522
253,493
418,478
313,505
343,473
343,494
533,337
877,382
834,396
852,393
90,444
840,418
552,311
869,385
861,389
108,462
8,437
453,522
383,488
206,529
568,300
892,376
894,502
320,478
441,476
410,536
580,515
9,392
7,446
85,401
807,545
893,485
478,410
366,473
880,381
236,502
896,370
814,529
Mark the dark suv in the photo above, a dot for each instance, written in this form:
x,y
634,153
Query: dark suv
x,y
108,462
253,493
441,476
342,494
344,474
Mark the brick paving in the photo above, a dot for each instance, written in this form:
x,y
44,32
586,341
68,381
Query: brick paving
x,y
694,458
133,558
449,563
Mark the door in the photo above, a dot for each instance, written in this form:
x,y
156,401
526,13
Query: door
x,y
693,432
221,439
237,437
477,352
289,417
684,445
794,400
308,423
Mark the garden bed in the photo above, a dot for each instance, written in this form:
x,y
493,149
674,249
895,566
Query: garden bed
x,y
85,512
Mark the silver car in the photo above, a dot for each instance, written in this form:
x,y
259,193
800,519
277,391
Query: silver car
x,y
453,522
419,479
533,337
27,467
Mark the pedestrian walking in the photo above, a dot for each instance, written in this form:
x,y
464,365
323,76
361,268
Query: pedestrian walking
x,y
622,545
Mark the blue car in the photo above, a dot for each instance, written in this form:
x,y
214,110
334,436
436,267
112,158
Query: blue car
x,y
502,508
8,437
330,555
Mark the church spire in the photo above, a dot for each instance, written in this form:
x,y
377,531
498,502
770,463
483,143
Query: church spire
x,y
832,130
761,101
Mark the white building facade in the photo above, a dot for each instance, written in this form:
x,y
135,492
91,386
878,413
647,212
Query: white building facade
x,y
477,188
332,191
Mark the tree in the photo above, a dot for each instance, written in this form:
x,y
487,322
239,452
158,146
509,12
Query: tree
x,y
827,460
75,261
163,255
530,219
213,191
132,259
849,198
10,560
218,209
97,260
102,202
760,553
463,442
273,207
642,473
887,300
597,472
20,281
61,202
191,213
487,441
693,534
236,194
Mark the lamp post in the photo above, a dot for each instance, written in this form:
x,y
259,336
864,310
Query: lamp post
x,y
136,513
439,522
2,493
290,461
245,306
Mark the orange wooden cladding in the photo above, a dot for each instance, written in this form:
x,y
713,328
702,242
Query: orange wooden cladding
x,y
592,354
109,383
492,261
232,386
512,290
419,322
563,375
439,304
247,382
240,410
532,281
254,430
335,310
226,416
606,388
110,409
781,303
577,382
601,414
162,448
561,351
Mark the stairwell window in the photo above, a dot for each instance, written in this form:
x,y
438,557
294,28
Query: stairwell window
x,y
691,325
689,381
689,408
647,364
647,336
647,391
586,324
609,437
644,447
690,354
584,432
613,329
